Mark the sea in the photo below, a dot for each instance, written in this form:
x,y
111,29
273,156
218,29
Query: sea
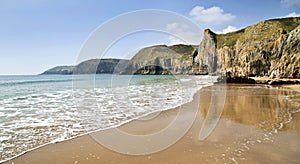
x,y
36,110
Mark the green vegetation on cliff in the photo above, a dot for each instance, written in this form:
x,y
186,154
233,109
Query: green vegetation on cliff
x,y
92,66
175,59
269,48
179,51
264,31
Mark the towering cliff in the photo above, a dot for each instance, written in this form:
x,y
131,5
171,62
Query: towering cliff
x,y
269,48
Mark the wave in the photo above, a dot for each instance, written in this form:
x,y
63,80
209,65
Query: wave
x,y
14,83
64,113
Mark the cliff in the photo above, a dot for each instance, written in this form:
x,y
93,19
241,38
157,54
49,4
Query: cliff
x,y
93,66
269,48
101,66
162,59
62,70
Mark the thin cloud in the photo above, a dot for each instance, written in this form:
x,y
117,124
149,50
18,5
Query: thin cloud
x,y
182,30
291,2
227,30
213,15
293,14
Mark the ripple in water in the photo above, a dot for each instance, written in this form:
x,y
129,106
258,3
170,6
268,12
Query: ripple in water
x,y
51,112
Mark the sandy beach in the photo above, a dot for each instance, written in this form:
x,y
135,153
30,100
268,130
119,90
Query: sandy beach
x,y
142,82
259,124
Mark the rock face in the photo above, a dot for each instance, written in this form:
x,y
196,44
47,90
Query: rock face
x,y
155,60
207,56
162,59
152,70
269,48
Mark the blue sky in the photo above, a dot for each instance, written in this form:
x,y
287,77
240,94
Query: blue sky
x,y
38,34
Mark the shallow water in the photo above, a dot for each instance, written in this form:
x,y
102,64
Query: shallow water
x,y
258,124
36,110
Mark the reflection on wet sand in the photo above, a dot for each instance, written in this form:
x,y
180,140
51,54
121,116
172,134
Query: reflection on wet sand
x,y
258,124
260,106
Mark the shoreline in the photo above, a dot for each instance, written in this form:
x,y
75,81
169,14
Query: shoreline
x,y
257,80
99,130
61,138
157,121
87,133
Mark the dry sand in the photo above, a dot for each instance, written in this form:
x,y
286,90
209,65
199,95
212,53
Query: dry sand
x,y
258,125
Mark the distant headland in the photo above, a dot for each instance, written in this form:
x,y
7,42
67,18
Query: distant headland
x,y
268,49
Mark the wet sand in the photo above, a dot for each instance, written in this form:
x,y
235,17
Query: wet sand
x,y
258,124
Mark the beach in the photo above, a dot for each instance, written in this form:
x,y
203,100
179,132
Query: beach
x,y
259,124
97,82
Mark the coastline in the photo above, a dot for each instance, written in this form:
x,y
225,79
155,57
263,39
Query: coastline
x,y
244,146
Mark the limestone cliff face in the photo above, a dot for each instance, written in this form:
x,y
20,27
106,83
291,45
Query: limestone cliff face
x,y
269,48
177,59
207,56
288,49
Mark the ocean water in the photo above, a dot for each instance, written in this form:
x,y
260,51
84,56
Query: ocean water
x,y
42,109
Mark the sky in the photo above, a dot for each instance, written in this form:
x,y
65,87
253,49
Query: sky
x,y
36,35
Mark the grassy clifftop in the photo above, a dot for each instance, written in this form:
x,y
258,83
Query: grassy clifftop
x,y
268,48
177,59
265,31
162,51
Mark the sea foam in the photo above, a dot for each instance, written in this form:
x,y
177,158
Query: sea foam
x,y
46,111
